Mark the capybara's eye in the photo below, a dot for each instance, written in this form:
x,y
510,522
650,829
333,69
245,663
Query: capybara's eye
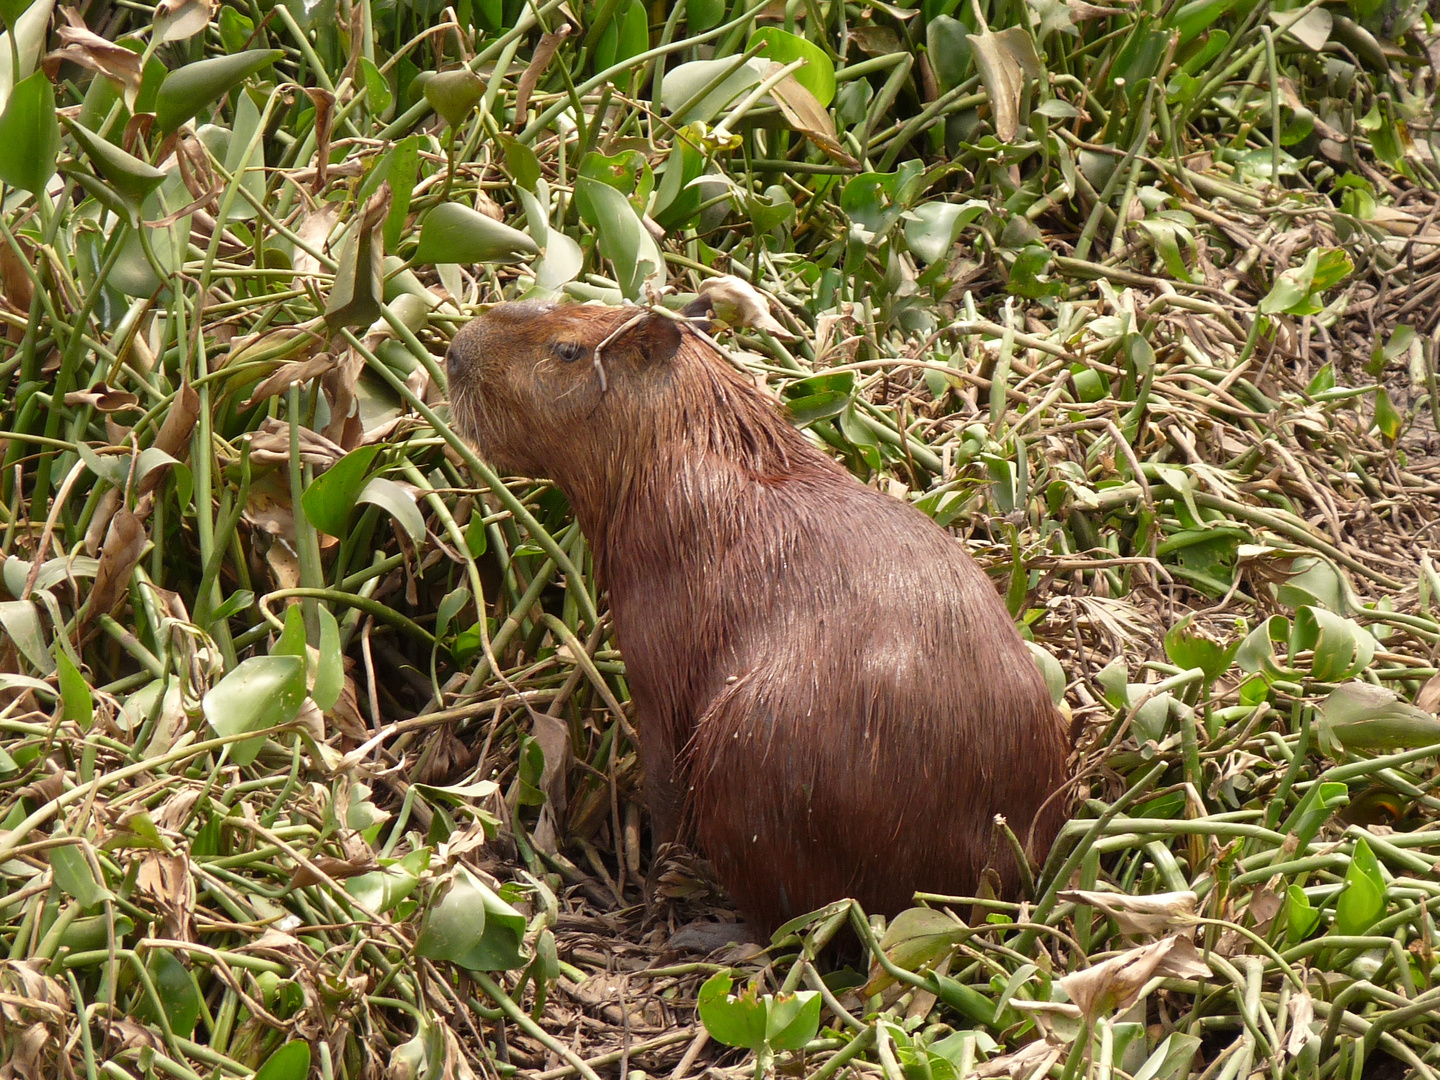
x,y
569,351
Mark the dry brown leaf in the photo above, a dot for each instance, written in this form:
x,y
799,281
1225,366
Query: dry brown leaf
x,y
287,374
176,20
314,231
324,114
544,53
103,397
1302,1014
1006,62
1032,1059
337,869
1114,985
91,51
166,878
1154,914
124,543
803,112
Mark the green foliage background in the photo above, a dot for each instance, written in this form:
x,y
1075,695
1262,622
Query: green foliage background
x,y
314,749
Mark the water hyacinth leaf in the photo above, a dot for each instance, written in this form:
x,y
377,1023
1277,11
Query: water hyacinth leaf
x,y
330,671
330,498
75,693
454,233
818,73
398,502
291,641
524,165
688,80
454,94
948,50
1007,62
261,692
75,877
381,890
1363,717
1300,917
1362,903
624,240
735,1020
792,1020
471,927
20,619
29,135
1171,1058
932,228
627,35
359,289
1189,648
188,90
1313,810
290,1062
132,178
176,20
377,88
1342,647
176,988
11,10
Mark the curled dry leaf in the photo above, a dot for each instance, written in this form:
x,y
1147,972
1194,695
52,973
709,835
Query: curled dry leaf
x,y
1155,914
80,46
337,869
289,373
124,543
1114,985
166,879
176,20
1034,1059
103,397
324,115
737,303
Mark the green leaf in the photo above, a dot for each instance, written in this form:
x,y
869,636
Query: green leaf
x,y
524,165
1171,1058
262,692
75,877
471,927
1342,647
735,1021
290,1062
291,641
623,239
792,1020
403,167
627,35
686,81
932,228
1300,917
454,233
377,88
11,10
1387,419
330,673
391,497
818,74
1362,903
178,993
188,90
29,135
131,178
20,620
454,94
74,692
359,288
328,501
1363,717
1314,810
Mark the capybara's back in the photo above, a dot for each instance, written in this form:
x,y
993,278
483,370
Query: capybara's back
x,y
828,690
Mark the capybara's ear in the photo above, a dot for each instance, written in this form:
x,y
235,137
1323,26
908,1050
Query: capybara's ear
x,y
653,339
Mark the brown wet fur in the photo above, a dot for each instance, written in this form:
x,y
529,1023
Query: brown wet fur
x,y
829,693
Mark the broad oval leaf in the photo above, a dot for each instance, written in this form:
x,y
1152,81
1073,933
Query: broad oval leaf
x,y
189,89
1362,904
262,692
623,239
290,1062
737,1020
454,233
390,496
330,498
471,927
29,135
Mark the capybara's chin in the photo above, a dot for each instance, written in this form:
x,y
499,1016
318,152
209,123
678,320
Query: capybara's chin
x,y
830,696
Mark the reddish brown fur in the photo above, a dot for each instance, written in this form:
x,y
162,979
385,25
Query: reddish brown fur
x,y
827,686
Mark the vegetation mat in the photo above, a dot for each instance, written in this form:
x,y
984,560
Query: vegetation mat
x,y
317,752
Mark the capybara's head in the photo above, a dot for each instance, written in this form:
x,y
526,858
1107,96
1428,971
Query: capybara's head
x,y
526,390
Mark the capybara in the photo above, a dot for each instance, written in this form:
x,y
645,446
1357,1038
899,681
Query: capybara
x,y
830,696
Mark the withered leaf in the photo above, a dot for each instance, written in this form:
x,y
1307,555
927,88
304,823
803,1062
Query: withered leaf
x,y
1153,914
124,543
803,112
80,46
1114,985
